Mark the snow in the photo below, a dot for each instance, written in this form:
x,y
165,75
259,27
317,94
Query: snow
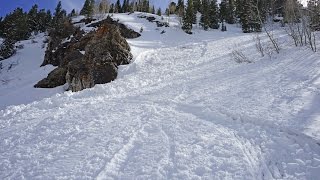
x,y
184,109
22,71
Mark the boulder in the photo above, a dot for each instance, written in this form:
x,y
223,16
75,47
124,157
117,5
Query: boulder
x,y
55,78
151,18
104,53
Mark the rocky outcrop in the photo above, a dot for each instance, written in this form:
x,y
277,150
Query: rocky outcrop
x,y
124,30
87,59
84,60
55,78
104,53
57,50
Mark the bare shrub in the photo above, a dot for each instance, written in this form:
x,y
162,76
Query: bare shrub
x,y
239,57
269,33
5,81
258,43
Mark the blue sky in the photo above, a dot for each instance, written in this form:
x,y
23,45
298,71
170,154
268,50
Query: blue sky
x,y
9,5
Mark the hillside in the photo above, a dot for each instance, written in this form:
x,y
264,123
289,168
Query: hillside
x,y
184,109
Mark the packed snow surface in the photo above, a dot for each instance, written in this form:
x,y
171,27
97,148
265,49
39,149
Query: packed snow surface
x,y
184,109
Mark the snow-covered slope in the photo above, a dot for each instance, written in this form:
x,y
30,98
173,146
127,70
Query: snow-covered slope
x,y
184,109
20,72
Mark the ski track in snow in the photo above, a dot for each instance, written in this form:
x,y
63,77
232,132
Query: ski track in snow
x,y
179,111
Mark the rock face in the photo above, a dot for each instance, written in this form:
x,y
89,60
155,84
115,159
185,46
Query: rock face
x,y
104,53
125,32
88,59
55,78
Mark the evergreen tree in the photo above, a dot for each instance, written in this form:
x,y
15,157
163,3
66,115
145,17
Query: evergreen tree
x,y
15,25
86,9
125,6
33,19
223,13
61,25
7,49
112,8
48,20
180,8
205,19
145,6
214,15
153,10
230,18
251,16
159,12
197,6
92,7
239,8
314,14
59,16
1,27
43,21
245,16
72,13
118,8
228,11
188,17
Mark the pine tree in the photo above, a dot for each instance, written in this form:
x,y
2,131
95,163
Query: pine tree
x,y
314,14
188,17
153,10
59,15
33,19
197,6
251,16
159,12
1,27
118,8
43,21
112,8
245,16
205,19
180,8
92,7
145,6
214,15
16,25
72,13
48,20
239,8
86,9
125,6
7,49
230,12
223,13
